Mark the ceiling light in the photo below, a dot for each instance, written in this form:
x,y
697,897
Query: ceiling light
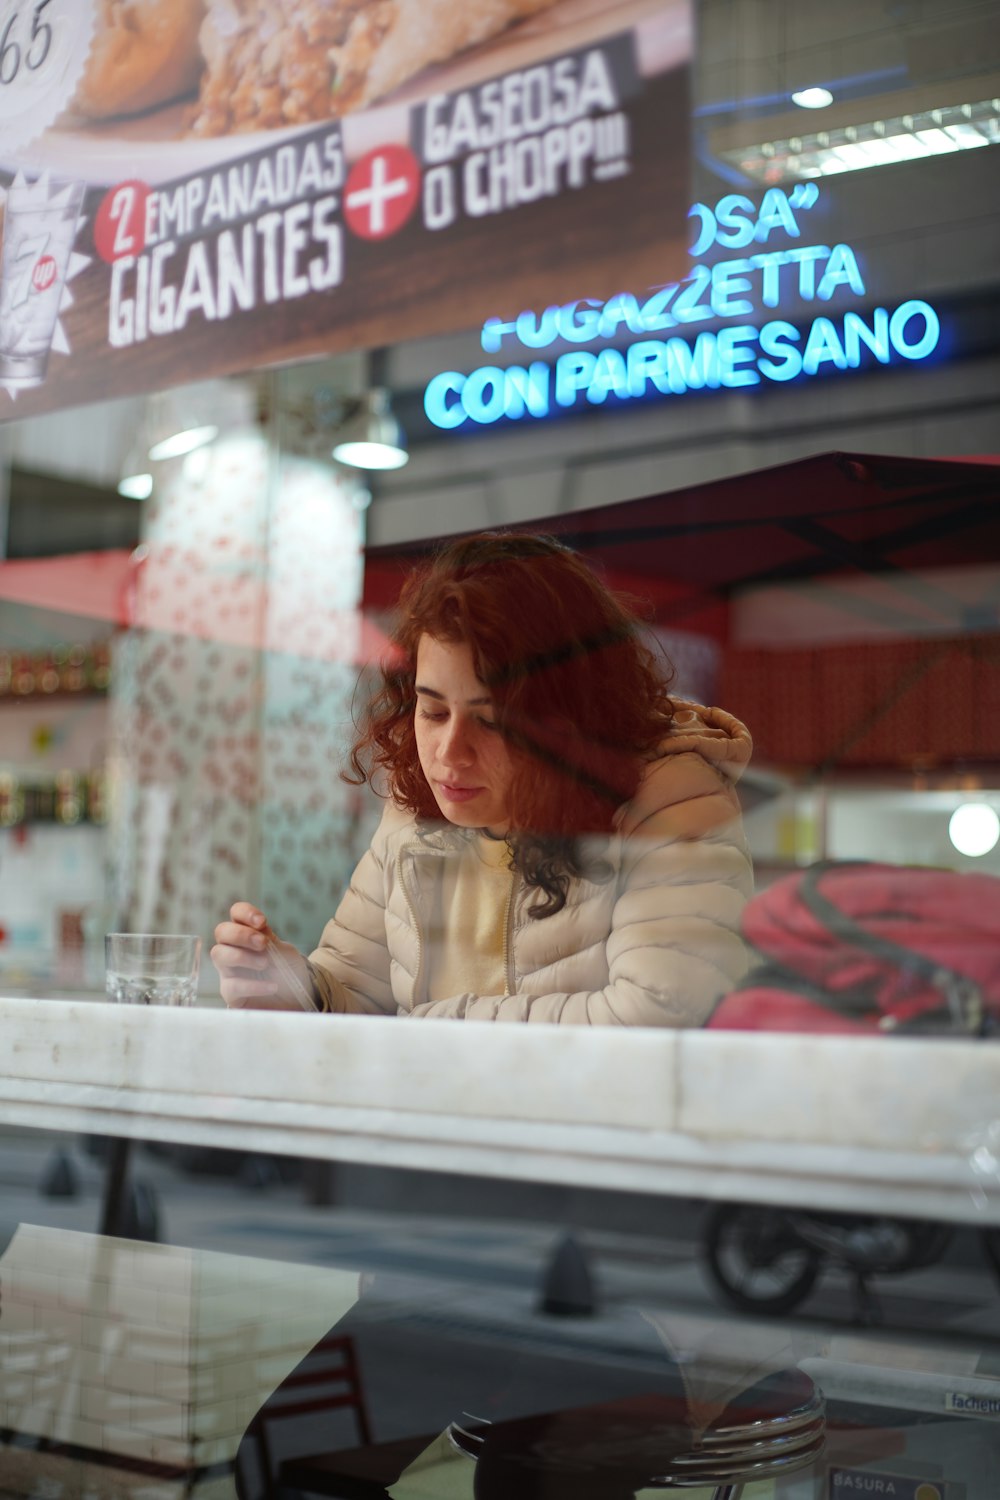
x,y
814,98
974,829
196,465
185,441
370,455
136,482
875,143
372,438
137,486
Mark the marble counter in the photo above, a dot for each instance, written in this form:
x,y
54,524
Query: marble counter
x,y
902,1126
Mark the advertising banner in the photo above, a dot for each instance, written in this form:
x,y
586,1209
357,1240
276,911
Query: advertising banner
x,y
190,187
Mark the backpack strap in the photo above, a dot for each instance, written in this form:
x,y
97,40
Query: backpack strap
x,y
857,1005
962,996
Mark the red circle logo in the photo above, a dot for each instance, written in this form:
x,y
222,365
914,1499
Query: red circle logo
x,y
44,273
382,191
120,223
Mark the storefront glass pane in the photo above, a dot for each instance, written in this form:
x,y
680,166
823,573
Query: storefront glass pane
x,y
544,1260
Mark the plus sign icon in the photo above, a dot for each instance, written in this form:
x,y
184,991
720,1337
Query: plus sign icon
x,y
382,191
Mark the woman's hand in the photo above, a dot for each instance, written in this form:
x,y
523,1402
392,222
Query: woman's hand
x,y
249,977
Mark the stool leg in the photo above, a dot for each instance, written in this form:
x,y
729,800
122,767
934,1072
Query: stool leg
x,y
115,1184
729,1491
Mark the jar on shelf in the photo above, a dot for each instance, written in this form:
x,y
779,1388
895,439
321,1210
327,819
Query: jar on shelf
x,y
12,806
22,683
97,797
73,675
99,667
47,674
70,793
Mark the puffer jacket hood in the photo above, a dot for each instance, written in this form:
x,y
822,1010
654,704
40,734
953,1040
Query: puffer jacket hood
x,y
716,736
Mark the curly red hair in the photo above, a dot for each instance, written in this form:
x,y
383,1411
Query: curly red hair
x,y
579,698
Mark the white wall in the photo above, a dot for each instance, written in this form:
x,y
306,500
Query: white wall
x,y
864,607
904,825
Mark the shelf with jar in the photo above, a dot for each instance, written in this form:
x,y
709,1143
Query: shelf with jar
x,y
67,797
58,672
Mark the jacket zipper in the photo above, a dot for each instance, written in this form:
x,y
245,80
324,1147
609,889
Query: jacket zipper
x,y
508,943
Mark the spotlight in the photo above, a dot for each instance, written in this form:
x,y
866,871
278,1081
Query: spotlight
x,y
185,441
814,98
372,438
974,829
136,486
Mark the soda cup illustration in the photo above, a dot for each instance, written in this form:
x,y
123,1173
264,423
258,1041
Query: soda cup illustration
x,y
39,228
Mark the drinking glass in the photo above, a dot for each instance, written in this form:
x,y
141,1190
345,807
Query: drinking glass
x,y
145,968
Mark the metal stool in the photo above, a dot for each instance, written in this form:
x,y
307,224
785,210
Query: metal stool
x,y
733,1454
776,1428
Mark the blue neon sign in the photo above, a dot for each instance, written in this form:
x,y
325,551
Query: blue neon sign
x,y
739,354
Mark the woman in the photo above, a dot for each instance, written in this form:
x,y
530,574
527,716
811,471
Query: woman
x,y
561,842
590,867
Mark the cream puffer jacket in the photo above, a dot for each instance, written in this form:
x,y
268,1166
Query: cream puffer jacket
x,y
656,945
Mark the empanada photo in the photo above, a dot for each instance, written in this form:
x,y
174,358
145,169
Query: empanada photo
x,y
273,63
145,53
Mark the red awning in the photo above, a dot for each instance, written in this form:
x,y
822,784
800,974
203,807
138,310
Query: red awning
x,y
925,689
689,549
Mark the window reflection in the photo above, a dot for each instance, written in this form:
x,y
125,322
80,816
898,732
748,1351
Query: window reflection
x,y
177,689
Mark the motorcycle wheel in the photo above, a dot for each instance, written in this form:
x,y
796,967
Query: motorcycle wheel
x,y
756,1260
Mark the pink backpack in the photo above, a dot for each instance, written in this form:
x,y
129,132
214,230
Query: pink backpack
x,y
859,947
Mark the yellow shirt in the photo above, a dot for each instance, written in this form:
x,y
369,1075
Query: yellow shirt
x,y
467,945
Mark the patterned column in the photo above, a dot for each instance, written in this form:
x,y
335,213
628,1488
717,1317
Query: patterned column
x,y
232,692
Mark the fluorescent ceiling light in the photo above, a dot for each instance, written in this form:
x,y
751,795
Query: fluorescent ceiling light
x,y
183,442
136,486
814,98
879,143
